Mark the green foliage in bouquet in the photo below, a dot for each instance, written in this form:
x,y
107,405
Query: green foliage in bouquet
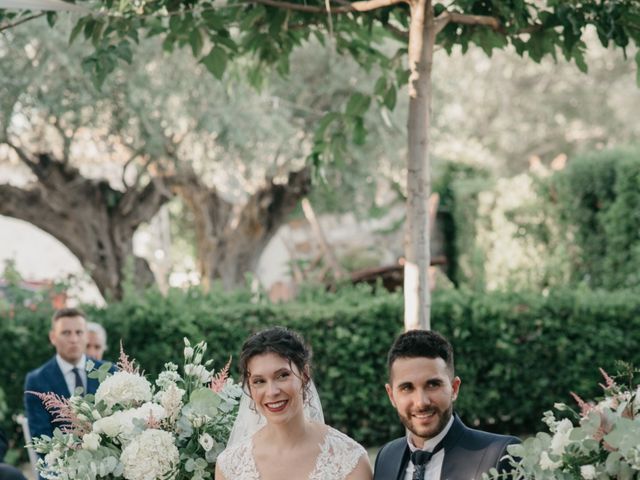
x,y
601,443
173,429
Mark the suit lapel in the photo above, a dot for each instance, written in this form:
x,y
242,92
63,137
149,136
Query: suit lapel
x,y
392,461
450,440
56,378
401,467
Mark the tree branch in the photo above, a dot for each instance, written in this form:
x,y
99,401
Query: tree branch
x,y
359,6
398,33
23,156
483,20
464,19
23,20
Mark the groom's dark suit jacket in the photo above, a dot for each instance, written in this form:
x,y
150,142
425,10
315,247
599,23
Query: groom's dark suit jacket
x,y
48,378
468,454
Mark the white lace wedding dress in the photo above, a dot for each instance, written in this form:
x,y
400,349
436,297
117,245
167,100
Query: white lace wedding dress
x,y
338,457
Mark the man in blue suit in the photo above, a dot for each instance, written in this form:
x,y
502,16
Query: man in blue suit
x,y
63,374
438,446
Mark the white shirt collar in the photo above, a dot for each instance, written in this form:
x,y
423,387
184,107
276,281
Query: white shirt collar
x,y
66,367
430,444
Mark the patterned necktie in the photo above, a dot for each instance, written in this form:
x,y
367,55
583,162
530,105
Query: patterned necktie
x,y
78,380
420,459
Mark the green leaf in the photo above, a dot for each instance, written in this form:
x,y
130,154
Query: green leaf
x,y
358,104
359,132
251,17
204,401
196,41
123,52
381,86
51,18
78,28
175,24
578,56
88,28
390,98
168,43
216,61
324,123
213,20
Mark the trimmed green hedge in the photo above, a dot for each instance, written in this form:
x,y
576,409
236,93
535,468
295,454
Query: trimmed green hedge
x,y
517,354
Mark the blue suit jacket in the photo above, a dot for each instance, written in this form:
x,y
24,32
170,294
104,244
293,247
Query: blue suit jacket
x,y
468,453
48,378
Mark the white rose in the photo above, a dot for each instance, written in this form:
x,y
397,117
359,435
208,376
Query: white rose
x,y
206,441
91,441
110,425
547,464
588,472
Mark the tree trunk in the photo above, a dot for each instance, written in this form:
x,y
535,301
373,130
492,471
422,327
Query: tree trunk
x,y
230,239
94,221
417,296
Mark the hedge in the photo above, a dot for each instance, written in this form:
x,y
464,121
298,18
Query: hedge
x,y
598,198
517,353
580,225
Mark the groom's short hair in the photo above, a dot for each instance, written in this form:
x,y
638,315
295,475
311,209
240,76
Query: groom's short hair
x,y
421,343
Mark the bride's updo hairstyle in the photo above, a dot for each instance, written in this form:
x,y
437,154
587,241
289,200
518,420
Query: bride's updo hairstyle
x,y
281,341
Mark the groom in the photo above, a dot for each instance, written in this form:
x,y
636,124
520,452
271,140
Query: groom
x,y
438,446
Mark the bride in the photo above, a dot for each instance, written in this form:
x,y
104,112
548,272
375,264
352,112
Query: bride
x,y
280,431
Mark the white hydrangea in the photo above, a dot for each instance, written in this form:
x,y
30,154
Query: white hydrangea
x,y
167,377
151,455
124,388
588,472
91,441
560,439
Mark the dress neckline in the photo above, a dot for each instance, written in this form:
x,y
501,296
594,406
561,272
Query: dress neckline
x,y
323,448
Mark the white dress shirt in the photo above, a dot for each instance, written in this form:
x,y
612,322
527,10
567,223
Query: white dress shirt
x,y
67,371
434,467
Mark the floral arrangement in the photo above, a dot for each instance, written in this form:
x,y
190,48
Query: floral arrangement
x,y
173,429
603,441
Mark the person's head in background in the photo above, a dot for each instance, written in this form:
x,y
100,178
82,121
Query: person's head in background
x,y
96,340
68,334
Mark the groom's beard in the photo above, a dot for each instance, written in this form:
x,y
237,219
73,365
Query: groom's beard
x,y
429,431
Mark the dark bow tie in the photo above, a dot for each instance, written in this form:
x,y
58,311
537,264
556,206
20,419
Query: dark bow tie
x,y
420,459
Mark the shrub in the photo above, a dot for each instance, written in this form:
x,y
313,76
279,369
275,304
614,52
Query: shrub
x,y
517,353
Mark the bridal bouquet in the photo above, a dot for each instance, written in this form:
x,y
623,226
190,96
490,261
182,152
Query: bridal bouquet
x,y
603,441
172,429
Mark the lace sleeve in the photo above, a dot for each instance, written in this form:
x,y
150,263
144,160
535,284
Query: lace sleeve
x,y
338,457
236,463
